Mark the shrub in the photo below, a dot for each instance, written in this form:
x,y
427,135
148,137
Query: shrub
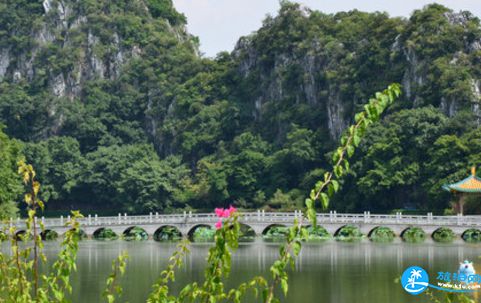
x,y
414,235
349,233
382,234
472,235
444,234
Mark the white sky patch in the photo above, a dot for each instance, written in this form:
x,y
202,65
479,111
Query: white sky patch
x,y
220,23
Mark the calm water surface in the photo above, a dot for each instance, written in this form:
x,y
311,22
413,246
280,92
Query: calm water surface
x,y
327,272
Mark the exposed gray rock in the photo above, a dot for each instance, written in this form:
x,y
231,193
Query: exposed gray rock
x,y
58,86
47,5
335,115
449,107
4,62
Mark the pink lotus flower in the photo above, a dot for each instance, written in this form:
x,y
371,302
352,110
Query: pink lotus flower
x,y
218,225
225,212
219,212
232,210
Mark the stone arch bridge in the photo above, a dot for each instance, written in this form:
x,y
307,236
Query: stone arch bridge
x,y
261,221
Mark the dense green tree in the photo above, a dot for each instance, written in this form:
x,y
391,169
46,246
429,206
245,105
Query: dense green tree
x,y
58,163
391,172
11,183
150,184
119,112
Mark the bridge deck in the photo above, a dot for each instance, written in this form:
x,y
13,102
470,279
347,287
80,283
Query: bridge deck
x,y
261,217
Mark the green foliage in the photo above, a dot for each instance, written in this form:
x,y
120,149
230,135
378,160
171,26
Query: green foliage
x,y
414,235
226,240
472,236
276,233
113,290
443,234
105,234
318,233
19,267
167,233
10,153
382,234
49,235
326,188
203,234
165,9
254,126
349,233
135,234
350,140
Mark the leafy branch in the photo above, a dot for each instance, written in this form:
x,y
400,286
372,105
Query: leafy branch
x,y
326,188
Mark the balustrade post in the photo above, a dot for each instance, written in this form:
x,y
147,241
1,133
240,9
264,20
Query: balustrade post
x,y
18,221
120,218
330,216
190,214
125,218
43,220
459,219
334,213
68,218
150,217
61,220
156,216
89,220
365,216
368,216
263,213
259,214
96,219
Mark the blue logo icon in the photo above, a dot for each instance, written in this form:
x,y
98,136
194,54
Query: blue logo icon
x,y
415,280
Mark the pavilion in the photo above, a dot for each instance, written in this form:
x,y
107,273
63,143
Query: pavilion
x,y
469,186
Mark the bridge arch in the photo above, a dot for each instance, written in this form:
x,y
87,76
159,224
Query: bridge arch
x,y
274,232
247,233
167,233
443,234
135,233
318,233
206,234
381,234
104,233
471,235
413,234
348,233
49,234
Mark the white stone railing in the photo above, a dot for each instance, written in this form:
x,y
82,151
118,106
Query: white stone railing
x,y
261,217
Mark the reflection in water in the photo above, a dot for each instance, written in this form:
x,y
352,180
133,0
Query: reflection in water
x,y
326,272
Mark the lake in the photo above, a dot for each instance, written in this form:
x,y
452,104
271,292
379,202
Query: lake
x,y
362,272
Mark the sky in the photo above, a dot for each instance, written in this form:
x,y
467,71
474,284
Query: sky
x,y
220,23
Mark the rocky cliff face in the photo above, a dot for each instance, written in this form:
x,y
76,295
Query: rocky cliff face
x,y
72,42
130,59
327,65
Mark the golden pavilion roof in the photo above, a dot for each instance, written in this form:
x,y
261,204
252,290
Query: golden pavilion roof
x,y
471,184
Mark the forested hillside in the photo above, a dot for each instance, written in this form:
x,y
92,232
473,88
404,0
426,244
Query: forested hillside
x,y
113,105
